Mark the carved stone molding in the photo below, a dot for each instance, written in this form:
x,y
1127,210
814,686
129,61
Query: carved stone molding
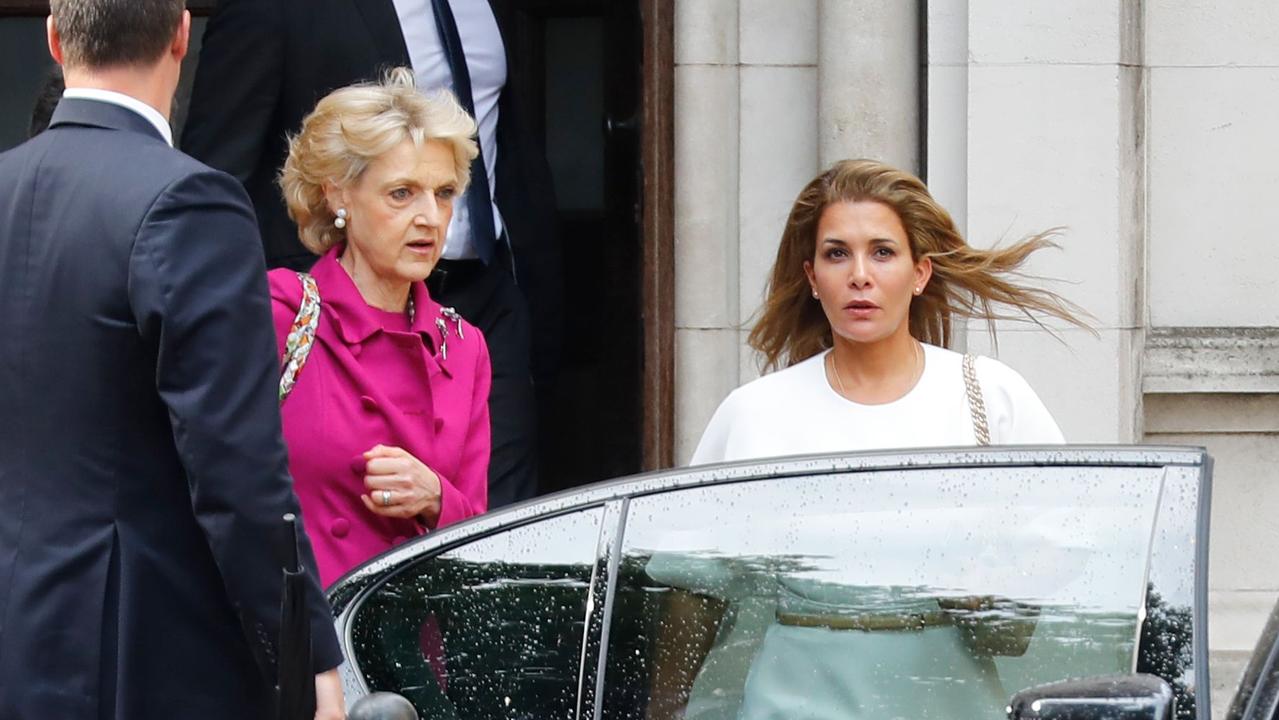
x,y
1211,360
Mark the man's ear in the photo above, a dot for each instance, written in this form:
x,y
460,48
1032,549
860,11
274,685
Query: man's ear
x,y
55,40
182,39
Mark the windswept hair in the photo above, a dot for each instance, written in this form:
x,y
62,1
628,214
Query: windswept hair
x,y
350,128
966,281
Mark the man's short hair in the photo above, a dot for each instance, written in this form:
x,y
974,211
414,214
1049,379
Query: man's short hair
x,y
109,33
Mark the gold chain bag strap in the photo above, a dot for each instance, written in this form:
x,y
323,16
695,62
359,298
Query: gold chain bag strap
x,y
301,336
976,404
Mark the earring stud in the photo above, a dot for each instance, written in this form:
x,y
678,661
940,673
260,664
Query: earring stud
x,y
814,293
340,221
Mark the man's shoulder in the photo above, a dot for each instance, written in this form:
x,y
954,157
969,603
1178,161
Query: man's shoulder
x,y
117,161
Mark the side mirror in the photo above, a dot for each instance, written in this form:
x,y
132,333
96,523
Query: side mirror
x,y
382,706
1109,697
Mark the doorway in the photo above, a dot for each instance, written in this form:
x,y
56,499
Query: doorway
x,y
585,84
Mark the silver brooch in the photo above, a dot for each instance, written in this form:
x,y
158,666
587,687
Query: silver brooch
x,y
451,314
444,338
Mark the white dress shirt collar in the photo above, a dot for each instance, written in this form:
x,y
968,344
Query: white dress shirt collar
x,y
152,115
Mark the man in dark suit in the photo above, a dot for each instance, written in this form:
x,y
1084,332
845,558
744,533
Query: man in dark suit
x,y
263,66
142,474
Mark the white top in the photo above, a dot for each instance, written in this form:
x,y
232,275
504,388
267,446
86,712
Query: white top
x,y
796,411
151,115
486,61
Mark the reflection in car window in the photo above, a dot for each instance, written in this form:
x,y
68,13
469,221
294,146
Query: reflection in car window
x,y
917,594
1166,648
492,629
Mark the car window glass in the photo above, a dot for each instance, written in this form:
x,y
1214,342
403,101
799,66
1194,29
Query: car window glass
x,y
491,629
917,593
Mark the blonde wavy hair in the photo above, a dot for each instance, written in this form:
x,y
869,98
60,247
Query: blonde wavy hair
x,y
966,281
349,128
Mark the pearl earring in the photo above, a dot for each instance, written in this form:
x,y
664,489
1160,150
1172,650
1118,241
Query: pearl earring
x,y
340,221
814,293
918,290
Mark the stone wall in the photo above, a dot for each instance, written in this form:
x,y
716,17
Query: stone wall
x,y
1143,128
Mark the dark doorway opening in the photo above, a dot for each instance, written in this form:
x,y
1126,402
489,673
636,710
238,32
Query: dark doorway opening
x,y
585,61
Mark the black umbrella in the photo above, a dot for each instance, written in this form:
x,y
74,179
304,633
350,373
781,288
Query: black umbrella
x,y
296,681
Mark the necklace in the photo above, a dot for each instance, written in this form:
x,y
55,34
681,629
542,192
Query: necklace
x,y
917,354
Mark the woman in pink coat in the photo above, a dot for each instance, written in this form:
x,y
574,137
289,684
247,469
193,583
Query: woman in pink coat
x,y
386,419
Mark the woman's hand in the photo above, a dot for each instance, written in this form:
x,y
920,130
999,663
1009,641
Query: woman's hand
x,y
399,485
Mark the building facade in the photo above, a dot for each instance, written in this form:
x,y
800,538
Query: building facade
x,y
1144,128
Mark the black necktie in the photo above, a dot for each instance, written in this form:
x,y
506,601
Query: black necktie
x,y
478,201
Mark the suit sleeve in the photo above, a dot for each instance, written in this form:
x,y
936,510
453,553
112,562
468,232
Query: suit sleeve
x,y
237,86
467,494
197,286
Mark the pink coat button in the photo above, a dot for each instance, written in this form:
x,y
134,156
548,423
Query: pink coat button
x,y
340,527
368,403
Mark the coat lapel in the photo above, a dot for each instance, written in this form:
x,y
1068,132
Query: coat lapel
x,y
384,26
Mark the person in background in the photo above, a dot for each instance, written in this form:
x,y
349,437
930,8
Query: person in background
x,y
386,415
46,100
143,478
869,277
263,65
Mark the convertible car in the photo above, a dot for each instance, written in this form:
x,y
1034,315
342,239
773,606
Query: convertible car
x,y
1066,582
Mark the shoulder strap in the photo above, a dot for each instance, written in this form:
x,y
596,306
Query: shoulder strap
x,y
976,403
301,336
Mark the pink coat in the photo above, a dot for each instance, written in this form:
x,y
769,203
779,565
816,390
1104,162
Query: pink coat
x,y
366,382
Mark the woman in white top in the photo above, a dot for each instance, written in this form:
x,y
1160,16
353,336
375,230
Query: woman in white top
x,y
870,273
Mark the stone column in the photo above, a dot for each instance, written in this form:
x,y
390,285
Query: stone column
x,y
707,89
868,73
778,144
1052,136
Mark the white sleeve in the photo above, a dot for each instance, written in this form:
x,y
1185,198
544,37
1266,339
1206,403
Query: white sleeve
x,y
713,447
1016,414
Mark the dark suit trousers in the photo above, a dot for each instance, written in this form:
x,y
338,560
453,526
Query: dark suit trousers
x,y
488,298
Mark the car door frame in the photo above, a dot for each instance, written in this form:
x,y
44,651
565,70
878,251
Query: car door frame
x,y
348,592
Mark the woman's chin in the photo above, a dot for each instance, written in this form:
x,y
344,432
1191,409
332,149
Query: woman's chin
x,y
863,334
415,270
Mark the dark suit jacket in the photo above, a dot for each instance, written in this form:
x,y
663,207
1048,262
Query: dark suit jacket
x,y
142,474
263,66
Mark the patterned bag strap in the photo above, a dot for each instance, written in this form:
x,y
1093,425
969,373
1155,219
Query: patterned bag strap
x,y
301,336
976,404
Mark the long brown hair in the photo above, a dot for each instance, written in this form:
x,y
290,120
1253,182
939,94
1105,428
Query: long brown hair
x,y
966,281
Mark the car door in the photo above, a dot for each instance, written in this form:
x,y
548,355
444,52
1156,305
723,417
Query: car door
x,y
484,624
924,584
927,585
